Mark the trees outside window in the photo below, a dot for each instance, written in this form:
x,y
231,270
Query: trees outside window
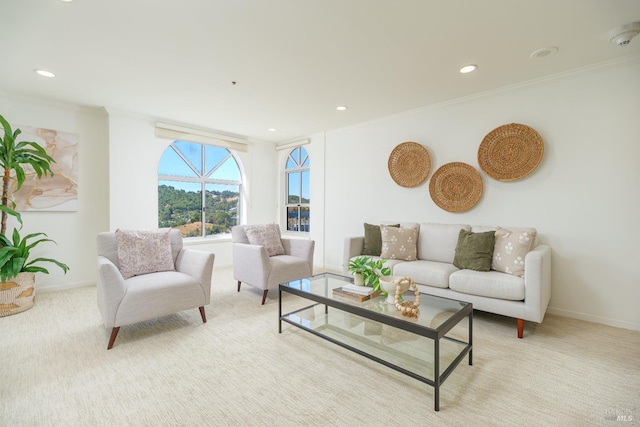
x,y
297,180
198,189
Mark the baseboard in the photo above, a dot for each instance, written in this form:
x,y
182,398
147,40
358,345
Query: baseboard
x,y
595,319
62,287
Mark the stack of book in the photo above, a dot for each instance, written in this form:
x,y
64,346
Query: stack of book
x,y
355,292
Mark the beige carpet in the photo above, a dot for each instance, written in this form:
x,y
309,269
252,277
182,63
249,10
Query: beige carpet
x,y
237,370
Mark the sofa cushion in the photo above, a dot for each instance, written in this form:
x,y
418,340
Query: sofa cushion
x,y
143,252
510,249
474,250
491,284
429,273
437,242
373,239
399,243
267,235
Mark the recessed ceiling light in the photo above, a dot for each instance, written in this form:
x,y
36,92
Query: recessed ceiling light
x,y
44,73
271,129
468,68
545,51
341,108
67,1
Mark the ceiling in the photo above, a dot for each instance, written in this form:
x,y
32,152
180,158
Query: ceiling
x,y
293,61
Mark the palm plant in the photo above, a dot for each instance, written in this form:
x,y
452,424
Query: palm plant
x,y
13,157
15,251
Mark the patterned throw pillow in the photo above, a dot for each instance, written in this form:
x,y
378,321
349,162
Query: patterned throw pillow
x,y
143,252
511,248
399,243
267,235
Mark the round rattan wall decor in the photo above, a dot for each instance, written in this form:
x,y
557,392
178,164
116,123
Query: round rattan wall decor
x,y
456,187
510,152
409,164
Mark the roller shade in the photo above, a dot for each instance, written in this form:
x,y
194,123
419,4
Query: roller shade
x,y
181,133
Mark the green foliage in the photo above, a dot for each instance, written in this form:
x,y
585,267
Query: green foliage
x,y
13,157
179,207
15,252
370,269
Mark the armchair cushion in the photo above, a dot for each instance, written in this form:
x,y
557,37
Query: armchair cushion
x,y
143,252
267,235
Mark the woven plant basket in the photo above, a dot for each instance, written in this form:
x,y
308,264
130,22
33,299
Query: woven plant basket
x,y
18,294
409,164
456,187
510,152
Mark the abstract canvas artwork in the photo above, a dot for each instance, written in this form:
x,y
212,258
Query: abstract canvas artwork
x,y
53,193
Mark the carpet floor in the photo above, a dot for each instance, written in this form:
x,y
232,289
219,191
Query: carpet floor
x,y
237,370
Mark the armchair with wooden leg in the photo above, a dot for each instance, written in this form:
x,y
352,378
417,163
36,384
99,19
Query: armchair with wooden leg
x,y
147,274
263,259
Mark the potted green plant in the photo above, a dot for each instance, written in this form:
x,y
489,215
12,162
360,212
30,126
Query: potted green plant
x,y
369,269
17,271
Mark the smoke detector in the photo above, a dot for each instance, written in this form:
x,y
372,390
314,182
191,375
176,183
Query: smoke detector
x,y
622,35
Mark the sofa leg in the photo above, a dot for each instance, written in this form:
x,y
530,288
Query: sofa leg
x,y
239,282
264,296
112,339
520,327
203,315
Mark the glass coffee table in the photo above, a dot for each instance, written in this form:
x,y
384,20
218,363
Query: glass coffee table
x,y
421,347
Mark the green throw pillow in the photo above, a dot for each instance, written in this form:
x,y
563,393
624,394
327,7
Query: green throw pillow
x,y
475,250
373,239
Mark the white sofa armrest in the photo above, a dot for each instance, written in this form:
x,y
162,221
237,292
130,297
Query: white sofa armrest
x,y
353,246
111,290
198,264
251,264
300,248
537,282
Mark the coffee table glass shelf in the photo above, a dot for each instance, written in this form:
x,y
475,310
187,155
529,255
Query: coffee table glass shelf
x,y
418,347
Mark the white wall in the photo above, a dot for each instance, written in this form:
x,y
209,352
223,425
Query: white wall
x,y
74,232
134,154
584,197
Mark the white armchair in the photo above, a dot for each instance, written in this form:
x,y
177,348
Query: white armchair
x,y
253,265
142,297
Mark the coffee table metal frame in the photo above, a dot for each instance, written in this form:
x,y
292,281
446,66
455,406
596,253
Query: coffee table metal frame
x,y
436,334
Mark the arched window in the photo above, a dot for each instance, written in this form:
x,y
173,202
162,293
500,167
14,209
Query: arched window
x,y
297,179
196,182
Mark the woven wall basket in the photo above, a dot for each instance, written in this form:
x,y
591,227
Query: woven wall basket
x,y
17,294
409,164
510,152
456,187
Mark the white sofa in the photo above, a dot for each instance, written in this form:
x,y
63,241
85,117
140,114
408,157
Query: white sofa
x,y
524,298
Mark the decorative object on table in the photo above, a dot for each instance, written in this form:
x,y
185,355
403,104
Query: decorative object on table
x,y
370,269
407,308
409,164
456,187
510,152
346,292
17,279
390,284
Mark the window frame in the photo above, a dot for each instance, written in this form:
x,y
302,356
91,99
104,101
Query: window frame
x,y
300,168
204,179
